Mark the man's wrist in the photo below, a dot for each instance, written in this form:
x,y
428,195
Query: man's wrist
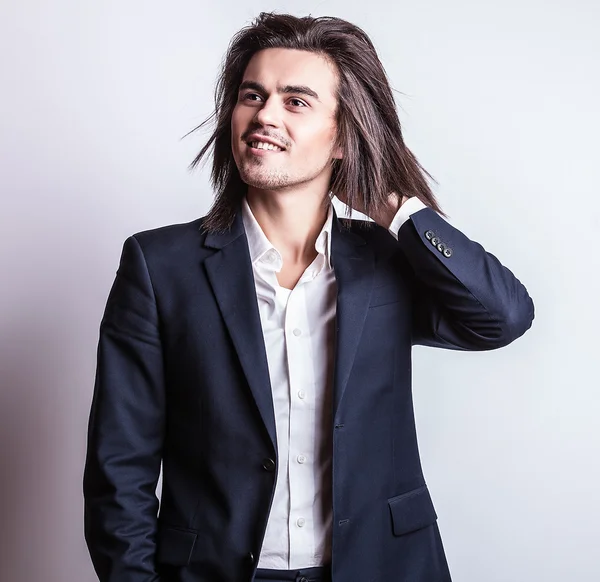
x,y
386,215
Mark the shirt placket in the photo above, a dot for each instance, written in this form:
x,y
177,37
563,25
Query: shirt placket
x,y
301,427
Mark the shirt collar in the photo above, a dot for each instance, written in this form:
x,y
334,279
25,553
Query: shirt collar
x,y
259,245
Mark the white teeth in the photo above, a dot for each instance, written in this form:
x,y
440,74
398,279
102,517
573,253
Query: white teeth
x,y
261,145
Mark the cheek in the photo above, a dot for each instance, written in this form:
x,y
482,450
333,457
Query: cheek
x,y
324,141
234,123
237,128
317,138
239,121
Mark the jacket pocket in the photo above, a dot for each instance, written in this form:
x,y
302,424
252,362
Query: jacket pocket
x,y
411,511
175,546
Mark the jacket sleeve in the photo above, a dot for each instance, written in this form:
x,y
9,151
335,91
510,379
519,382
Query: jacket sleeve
x,y
465,299
126,428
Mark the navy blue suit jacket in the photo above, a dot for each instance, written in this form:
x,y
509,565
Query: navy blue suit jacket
x,y
182,378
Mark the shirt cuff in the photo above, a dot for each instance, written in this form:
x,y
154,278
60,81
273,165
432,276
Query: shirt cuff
x,y
411,206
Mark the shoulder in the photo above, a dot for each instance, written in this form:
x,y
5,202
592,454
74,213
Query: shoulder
x,y
377,237
169,240
169,233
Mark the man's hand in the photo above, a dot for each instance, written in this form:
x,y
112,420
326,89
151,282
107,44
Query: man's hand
x,y
386,214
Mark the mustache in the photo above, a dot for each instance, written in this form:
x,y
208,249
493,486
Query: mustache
x,y
273,136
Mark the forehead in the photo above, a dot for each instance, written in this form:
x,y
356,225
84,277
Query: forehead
x,y
278,67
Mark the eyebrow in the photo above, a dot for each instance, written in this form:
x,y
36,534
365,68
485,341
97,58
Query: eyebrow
x,y
286,89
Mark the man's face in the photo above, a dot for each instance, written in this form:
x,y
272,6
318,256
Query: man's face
x,y
288,98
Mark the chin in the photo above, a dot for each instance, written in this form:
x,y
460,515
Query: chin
x,y
262,181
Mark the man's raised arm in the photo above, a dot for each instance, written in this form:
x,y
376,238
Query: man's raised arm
x,y
465,298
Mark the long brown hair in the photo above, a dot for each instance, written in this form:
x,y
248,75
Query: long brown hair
x,y
375,159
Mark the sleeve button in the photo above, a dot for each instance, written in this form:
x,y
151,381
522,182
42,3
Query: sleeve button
x,y
447,252
429,234
441,247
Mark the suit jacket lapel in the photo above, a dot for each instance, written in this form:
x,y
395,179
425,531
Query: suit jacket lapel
x,y
354,266
230,274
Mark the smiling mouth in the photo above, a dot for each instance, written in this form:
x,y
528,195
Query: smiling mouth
x,y
260,146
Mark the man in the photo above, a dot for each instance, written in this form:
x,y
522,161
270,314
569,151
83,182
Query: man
x,y
263,353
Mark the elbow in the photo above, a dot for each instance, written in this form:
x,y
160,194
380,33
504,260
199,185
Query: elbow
x,y
509,322
517,318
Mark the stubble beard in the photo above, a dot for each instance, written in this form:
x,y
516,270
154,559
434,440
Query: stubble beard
x,y
258,176
263,178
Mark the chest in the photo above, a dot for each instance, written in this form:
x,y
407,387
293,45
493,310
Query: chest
x,y
291,273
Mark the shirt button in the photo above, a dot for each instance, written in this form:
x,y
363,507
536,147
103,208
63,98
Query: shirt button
x,y
301,459
271,256
296,332
301,394
300,522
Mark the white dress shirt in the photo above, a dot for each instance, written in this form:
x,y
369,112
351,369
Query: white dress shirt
x,y
299,333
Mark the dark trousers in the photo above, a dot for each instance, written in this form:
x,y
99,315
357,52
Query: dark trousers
x,y
321,574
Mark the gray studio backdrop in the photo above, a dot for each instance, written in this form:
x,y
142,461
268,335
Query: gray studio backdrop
x,y
499,101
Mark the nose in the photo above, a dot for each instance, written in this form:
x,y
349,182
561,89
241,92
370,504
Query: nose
x,y
269,113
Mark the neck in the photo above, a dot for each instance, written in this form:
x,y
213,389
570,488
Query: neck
x,y
292,221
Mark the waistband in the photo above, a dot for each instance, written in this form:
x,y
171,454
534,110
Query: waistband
x,y
318,574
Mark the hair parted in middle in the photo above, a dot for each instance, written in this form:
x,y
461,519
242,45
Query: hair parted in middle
x,y
375,159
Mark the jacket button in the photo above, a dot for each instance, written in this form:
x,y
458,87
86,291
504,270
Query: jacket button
x,y
269,465
448,252
435,240
303,579
441,246
429,234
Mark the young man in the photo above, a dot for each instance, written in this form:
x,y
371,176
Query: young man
x,y
263,352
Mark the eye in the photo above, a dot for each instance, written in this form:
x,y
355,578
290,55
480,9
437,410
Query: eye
x,y
302,104
245,96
